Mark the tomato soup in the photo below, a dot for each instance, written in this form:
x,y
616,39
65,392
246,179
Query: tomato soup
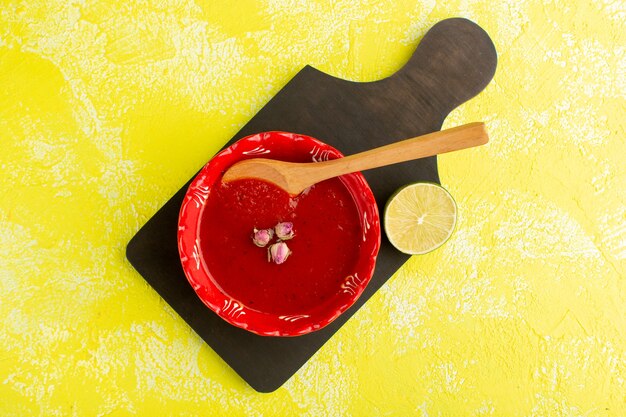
x,y
324,249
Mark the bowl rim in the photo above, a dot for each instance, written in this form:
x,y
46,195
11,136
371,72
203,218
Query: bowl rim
x,y
232,310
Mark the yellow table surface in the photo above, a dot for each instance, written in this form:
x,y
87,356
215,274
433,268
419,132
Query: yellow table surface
x,y
106,109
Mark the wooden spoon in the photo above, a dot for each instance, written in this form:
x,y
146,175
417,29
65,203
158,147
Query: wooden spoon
x,y
295,177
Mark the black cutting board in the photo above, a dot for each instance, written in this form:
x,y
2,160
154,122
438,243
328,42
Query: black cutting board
x,y
455,60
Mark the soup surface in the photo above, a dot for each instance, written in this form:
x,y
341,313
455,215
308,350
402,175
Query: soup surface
x,y
324,249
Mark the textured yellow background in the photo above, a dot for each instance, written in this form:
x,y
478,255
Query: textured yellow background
x,y
106,109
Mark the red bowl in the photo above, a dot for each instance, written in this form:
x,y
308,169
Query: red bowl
x,y
300,148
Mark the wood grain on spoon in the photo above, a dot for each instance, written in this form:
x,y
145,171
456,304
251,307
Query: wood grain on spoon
x,y
295,177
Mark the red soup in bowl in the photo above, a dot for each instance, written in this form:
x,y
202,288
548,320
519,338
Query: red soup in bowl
x,y
312,258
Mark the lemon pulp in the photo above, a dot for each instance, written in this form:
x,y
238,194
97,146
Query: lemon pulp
x,y
419,218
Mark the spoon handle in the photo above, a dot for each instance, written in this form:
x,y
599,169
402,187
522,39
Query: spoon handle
x,y
454,139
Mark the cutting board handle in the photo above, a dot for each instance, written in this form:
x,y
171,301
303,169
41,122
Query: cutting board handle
x,y
454,62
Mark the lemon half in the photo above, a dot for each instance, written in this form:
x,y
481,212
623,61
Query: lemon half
x,y
419,218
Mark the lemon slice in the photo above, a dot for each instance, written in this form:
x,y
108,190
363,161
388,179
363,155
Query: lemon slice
x,y
419,218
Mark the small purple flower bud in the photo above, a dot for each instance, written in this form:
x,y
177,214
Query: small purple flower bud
x,y
262,237
284,230
279,252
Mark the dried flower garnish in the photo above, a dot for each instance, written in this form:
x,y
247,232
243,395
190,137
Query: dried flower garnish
x,y
278,252
284,230
262,237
